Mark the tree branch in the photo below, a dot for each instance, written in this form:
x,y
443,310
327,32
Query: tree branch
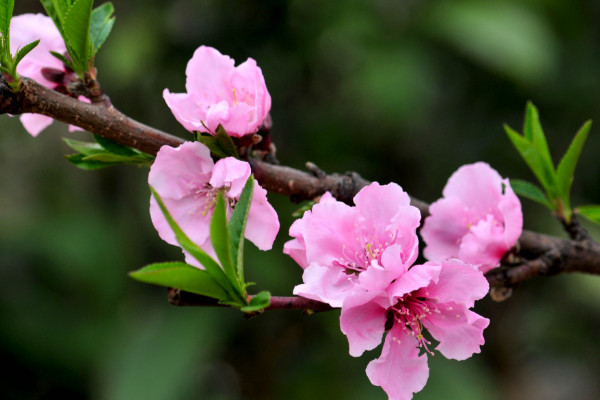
x,y
535,254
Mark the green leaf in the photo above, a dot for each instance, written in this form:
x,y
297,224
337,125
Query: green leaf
x,y
530,191
303,208
76,28
536,161
212,267
181,276
101,24
64,60
226,142
566,167
258,302
23,51
533,132
105,153
211,142
113,147
6,12
237,227
219,236
115,159
80,161
590,212
86,148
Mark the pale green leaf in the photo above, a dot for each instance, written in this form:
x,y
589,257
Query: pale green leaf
x,y
536,161
530,191
101,24
23,51
76,28
237,226
219,236
566,167
258,302
591,212
181,276
212,267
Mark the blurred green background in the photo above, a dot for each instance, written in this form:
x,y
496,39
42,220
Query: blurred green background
x,y
403,91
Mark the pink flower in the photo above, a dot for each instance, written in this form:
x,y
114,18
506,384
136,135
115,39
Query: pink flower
x,y
433,296
478,220
219,93
340,246
39,64
187,180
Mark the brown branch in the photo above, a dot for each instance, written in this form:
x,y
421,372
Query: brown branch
x,y
181,298
536,254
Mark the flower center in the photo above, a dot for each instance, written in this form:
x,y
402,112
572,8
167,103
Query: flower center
x,y
369,246
408,313
206,197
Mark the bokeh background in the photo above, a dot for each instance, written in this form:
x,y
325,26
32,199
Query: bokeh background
x,y
403,91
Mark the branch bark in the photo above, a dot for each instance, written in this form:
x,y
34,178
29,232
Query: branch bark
x,y
535,255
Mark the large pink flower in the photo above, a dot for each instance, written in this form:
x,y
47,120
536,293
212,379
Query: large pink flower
x,y
433,296
478,220
220,93
340,246
39,64
187,180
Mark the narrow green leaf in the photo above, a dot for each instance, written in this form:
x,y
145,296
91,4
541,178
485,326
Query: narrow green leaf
x,y
298,213
76,28
101,24
6,12
89,165
23,51
258,302
533,132
115,159
535,160
590,212
566,167
212,267
219,236
113,147
226,142
211,142
237,227
530,191
86,148
64,60
181,276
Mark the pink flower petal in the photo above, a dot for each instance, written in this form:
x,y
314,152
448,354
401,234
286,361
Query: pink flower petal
x,y
459,330
328,285
478,186
510,207
484,244
399,371
478,220
262,225
177,172
185,211
296,248
444,228
379,204
185,110
363,322
230,173
458,282
35,123
419,276
27,28
218,93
